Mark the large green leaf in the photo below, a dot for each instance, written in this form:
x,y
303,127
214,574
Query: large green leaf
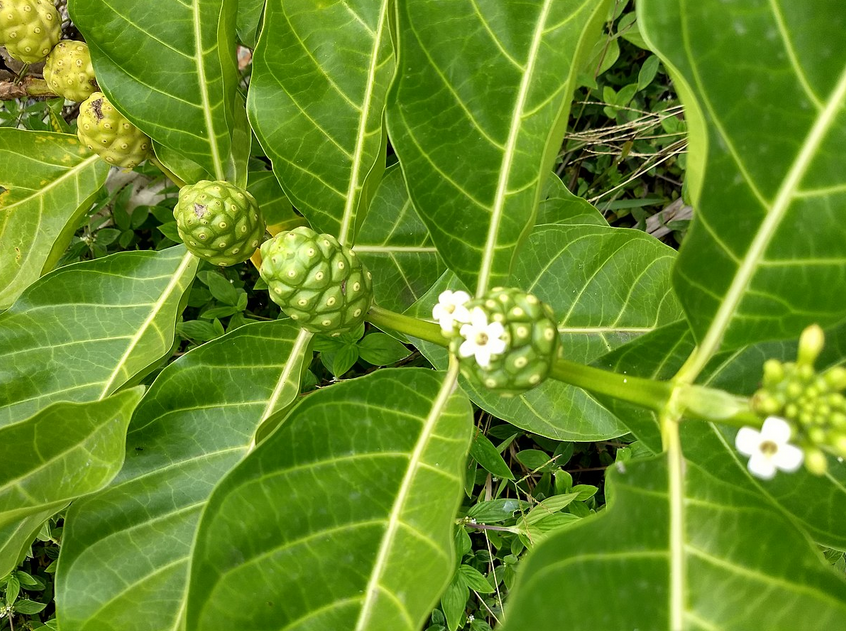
x,y
744,566
396,246
126,549
49,180
84,330
249,17
170,67
477,116
816,503
317,101
764,97
343,519
607,286
63,452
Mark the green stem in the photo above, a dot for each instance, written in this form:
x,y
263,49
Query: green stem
x,y
643,392
405,324
697,402
166,171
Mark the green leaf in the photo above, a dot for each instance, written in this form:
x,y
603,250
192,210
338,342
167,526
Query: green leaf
x,y
317,98
380,349
396,247
221,288
44,469
561,206
82,331
607,286
49,181
195,424
344,517
477,117
475,580
815,502
29,607
647,72
484,452
768,183
249,19
344,359
275,207
454,600
744,566
170,67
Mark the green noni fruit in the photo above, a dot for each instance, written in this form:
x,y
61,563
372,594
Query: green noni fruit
x,y
29,29
219,222
319,283
509,343
68,71
106,132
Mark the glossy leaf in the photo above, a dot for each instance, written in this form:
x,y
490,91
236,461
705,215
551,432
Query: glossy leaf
x,y
607,286
814,502
316,102
768,182
396,246
249,18
561,206
44,469
342,519
477,116
82,331
126,549
49,181
170,67
745,566
275,207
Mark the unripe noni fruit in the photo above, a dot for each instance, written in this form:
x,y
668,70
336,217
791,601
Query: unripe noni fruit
x,y
510,343
219,222
108,133
29,28
319,283
68,71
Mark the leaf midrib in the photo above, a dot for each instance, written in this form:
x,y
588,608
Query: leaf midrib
x,y
219,170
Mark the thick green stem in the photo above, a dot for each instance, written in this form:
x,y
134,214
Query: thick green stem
x,y
405,324
644,392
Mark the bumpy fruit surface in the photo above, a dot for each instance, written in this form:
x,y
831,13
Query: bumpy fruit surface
x,y
110,135
531,342
219,222
68,71
29,28
319,283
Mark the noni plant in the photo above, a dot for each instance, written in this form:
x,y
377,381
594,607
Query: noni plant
x,y
370,192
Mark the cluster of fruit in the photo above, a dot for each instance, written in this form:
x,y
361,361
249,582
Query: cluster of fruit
x,y
319,283
812,402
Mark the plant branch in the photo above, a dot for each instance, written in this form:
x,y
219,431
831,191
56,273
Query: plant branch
x,y
28,87
405,324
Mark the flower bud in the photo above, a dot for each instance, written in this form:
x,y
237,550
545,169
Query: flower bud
x,y
810,345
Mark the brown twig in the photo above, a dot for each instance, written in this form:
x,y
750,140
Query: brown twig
x,y
28,88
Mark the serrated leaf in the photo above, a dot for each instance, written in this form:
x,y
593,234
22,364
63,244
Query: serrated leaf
x,y
477,116
82,331
396,247
49,181
170,67
768,184
743,565
317,97
195,424
369,495
43,469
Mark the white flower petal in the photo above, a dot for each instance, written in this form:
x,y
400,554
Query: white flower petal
x,y
438,311
495,330
483,356
467,348
762,467
789,458
460,297
776,429
496,346
468,332
461,314
478,319
748,441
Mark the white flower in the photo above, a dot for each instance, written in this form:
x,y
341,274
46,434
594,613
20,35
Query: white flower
x,y
481,339
769,449
451,310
